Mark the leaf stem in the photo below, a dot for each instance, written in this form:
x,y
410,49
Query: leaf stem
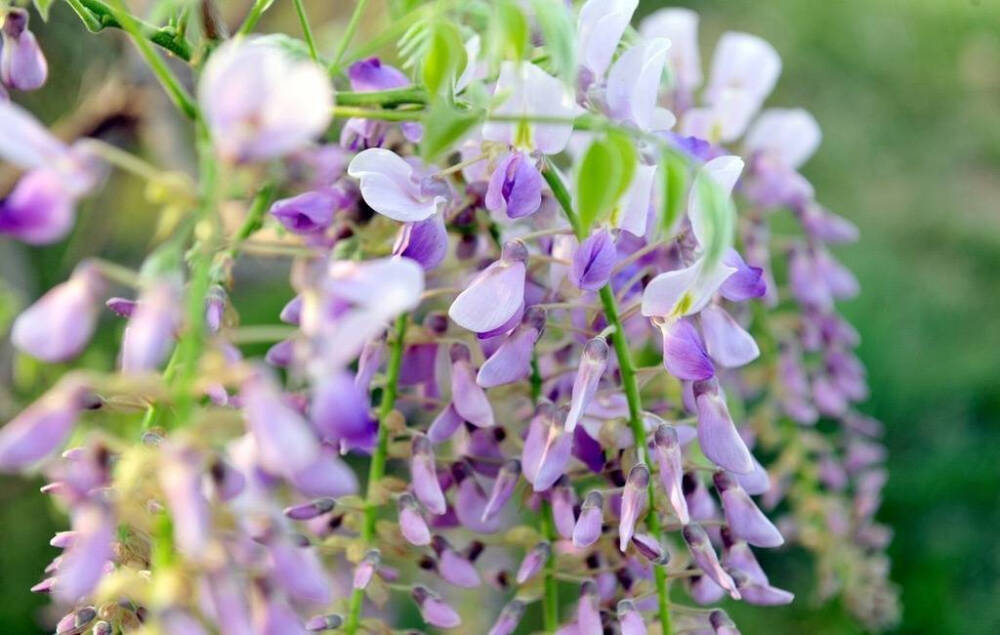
x,y
384,98
253,16
306,29
377,468
550,599
97,15
627,370
345,41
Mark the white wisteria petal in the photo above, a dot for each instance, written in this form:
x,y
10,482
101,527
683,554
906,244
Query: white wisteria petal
x,y
724,171
634,82
491,299
680,26
743,63
634,214
599,29
789,134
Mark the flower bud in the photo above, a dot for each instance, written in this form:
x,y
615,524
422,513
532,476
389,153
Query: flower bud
x,y
717,434
593,363
77,621
533,562
366,569
411,523
629,619
588,610
588,525
467,396
547,449
650,548
511,362
704,556
503,487
744,517
41,428
445,425
633,502
58,326
593,261
562,498
453,567
667,453
327,622
285,442
423,474
721,623
433,609
508,619
312,509
83,565
150,331
22,63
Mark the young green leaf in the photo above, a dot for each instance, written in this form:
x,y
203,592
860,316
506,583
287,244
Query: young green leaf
x,y
511,31
597,182
673,183
445,58
719,218
43,7
624,147
443,126
559,35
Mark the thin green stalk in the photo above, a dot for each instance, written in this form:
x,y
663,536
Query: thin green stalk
x,y
384,98
175,90
254,219
627,370
97,15
550,599
345,41
382,115
253,17
377,468
306,29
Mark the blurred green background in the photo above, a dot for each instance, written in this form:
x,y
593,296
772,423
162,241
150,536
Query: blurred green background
x,y
908,95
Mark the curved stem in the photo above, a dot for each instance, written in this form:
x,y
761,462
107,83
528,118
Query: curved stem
x,y
385,98
627,370
96,16
377,468
306,29
345,41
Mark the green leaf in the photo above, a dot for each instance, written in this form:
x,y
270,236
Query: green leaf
x,y
559,34
597,182
295,47
511,31
627,159
443,126
43,8
445,58
720,218
673,182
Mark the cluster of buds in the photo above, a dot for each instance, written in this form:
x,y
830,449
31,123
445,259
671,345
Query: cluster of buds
x,y
467,330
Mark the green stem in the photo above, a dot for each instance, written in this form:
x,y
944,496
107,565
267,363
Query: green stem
x,y
306,29
550,599
384,98
97,15
253,17
174,89
345,41
381,115
254,219
377,468
627,370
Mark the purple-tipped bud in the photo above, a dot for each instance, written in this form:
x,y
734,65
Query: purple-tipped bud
x,y
760,594
511,362
22,63
311,212
704,556
533,562
122,307
593,363
563,498
667,453
515,187
508,619
453,566
423,474
324,623
150,331
433,609
41,428
717,434
445,425
593,261
467,396
684,354
722,624
503,487
291,313
744,517
588,525
215,308
281,354
629,619
58,326
365,570
105,628
411,523
633,502
77,621
650,548
547,449
312,509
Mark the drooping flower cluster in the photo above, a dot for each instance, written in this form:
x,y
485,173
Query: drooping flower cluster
x,y
465,322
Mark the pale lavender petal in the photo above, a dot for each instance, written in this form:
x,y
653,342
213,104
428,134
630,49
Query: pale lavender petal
x,y
680,27
726,341
629,619
390,187
533,562
469,399
494,296
444,425
58,326
684,354
511,362
717,434
593,261
744,517
704,556
633,503
423,476
634,82
299,572
790,135
600,27
339,410
285,442
515,187
588,525
40,209
593,363
433,609
83,564
503,488
508,619
41,428
411,523
746,283
670,463
424,241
